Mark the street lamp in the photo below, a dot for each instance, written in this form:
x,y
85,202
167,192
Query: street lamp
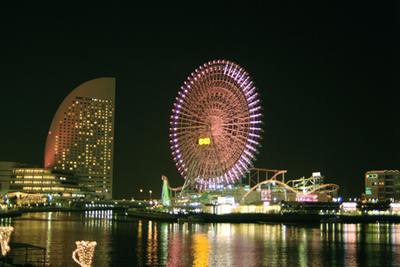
x,y
141,191
150,194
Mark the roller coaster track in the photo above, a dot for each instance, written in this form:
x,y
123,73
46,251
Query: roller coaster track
x,y
272,180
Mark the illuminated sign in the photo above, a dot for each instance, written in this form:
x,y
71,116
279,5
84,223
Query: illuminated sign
x,y
349,205
372,175
368,191
316,174
204,141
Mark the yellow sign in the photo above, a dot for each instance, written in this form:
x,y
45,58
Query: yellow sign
x,y
204,141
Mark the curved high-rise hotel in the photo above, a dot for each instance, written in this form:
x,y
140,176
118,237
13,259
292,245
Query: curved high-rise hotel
x,y
81,136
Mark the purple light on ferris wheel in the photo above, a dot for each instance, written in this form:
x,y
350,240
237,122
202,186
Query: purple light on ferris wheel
x,y
254,135
241,78
248,154
251,98
235,173
252,90
251,148
255,129
254,103
252,142
226,178
255,115
245,159
231,177
239,168
252,110
247,86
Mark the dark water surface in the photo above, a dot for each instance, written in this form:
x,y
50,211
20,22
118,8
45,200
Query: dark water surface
x,y
125,241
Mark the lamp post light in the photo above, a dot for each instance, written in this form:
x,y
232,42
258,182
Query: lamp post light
x,y
150,194
141,191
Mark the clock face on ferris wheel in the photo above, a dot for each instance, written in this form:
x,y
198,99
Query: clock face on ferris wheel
x,y
215,125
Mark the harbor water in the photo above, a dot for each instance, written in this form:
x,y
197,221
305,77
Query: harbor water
x,y
127,241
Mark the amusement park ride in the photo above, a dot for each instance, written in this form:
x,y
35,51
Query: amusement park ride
x,y
215,132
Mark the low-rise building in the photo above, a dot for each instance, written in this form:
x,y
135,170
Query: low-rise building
x,y
382,186
19,177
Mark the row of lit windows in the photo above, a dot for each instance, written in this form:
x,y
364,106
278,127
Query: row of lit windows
x,y
82,164
83,151
90,138
83,170
90,144
36,182
91,133
80,112
93,159
88,163
87,120
88,127
93,165
82,117
50,188
90,154
31,171
90,177
36,176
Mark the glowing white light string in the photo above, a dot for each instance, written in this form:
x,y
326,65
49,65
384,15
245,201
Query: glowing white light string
x,y
85,251
5,233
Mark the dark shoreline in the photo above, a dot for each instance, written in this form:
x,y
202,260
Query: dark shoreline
x,y
292,218
229,218
18,213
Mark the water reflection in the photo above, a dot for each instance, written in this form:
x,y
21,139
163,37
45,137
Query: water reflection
x,y
123,241
201,249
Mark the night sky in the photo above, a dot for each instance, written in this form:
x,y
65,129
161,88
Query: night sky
x,y
327,72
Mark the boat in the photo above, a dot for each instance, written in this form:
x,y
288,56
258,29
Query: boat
x,y
191,219
334,219
151,214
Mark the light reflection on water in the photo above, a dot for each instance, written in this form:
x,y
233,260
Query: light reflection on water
x,y
124,241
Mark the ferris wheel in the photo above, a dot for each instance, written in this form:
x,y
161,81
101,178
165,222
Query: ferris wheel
x,y
215,125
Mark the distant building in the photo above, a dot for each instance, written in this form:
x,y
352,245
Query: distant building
x,y
81,137
382,186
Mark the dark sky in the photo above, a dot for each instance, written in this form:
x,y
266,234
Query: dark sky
x,y
327,72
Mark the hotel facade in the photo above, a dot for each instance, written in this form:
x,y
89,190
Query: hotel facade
x,y
81,137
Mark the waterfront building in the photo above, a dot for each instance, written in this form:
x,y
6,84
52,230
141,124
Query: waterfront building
x,y
81,137
382,186
19,177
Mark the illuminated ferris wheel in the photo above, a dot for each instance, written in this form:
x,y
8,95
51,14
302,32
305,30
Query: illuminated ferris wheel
x,y
215,125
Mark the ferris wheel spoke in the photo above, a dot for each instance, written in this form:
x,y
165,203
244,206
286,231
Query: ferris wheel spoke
x,y
188,125
188,111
